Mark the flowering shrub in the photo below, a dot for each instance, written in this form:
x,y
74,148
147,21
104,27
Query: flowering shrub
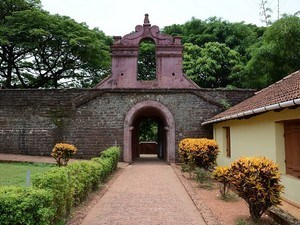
x,y
221,174
62,153
199,151
257,181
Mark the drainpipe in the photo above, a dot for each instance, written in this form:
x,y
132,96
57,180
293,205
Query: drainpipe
x,y
280,105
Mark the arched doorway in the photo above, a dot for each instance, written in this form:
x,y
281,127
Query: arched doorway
x,y
165,135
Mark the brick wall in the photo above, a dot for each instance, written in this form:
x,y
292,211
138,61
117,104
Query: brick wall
x,y
32,121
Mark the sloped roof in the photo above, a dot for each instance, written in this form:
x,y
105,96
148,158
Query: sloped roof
x,y
282,94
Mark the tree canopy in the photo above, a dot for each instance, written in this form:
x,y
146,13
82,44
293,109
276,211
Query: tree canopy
x,y
277,55
216,51
146,61
222,54
40,50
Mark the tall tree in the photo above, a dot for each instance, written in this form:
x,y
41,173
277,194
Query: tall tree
x,y
50,51
215,65
238,37
278,55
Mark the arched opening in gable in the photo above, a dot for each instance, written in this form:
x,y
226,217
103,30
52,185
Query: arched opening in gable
x,y
146,63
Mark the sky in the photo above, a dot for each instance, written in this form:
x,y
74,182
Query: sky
x,y
119,17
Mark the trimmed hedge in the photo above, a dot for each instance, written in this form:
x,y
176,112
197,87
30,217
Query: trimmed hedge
x,y
112,153
55,192
29,206
57,182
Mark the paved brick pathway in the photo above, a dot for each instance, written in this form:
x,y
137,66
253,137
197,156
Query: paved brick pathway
x,y
147,192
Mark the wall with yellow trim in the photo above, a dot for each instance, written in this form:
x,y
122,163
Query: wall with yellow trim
x,y
260,135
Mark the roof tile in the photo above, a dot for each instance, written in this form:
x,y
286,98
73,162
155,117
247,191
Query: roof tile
x,y
284,90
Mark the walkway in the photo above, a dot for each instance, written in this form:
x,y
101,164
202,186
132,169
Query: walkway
x,y
147,192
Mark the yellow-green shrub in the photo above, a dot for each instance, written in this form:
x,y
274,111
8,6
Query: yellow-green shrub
x,y
221,174
257,181
202,152
62,153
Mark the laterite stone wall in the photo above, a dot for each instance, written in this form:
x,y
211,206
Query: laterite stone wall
x,y
32,121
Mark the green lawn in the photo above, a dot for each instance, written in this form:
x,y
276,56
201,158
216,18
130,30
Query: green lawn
x,y
15,174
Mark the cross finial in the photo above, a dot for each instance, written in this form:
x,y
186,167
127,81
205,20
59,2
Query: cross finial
x,y
146,20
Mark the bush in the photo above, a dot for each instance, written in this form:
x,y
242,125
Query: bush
x,y
221,174
257,181
62,153
189,168
203,176
57,182
202,152
25,206
55,191
85,176
113,153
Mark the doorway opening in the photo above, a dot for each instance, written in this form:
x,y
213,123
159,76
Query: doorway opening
x,y
149,129
149,137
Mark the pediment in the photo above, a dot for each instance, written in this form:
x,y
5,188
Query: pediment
x,y
146,31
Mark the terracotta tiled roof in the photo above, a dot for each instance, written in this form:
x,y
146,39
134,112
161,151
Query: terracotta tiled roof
x,y
282,94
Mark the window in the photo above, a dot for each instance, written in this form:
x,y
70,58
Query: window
x,y
292,147
227,143
146,61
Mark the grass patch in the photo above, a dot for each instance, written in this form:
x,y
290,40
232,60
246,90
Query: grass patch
x,y
15,174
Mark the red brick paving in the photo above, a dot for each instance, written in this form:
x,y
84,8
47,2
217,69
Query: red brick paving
x,y
147,192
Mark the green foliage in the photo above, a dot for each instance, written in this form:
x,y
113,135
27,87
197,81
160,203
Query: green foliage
x,y
57,182
84,177
213,65
216,51
38,49
277,55
112,153
225,103
148,130
257,181
71,184
146,61
30,206
203,176
189,168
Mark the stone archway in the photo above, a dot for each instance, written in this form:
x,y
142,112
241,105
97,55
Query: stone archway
x,y
155,109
